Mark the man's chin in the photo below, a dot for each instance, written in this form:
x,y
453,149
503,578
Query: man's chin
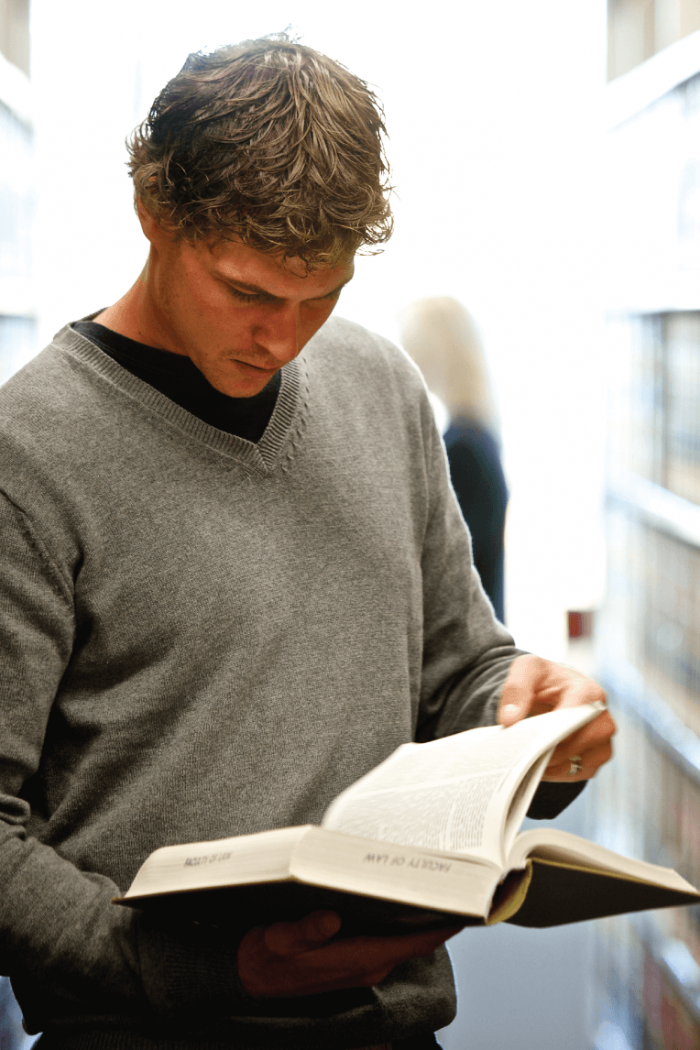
x,y
242,385
243,381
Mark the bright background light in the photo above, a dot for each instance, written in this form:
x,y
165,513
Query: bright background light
x,y
493,112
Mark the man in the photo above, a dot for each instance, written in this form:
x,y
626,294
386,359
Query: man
x,y
234,579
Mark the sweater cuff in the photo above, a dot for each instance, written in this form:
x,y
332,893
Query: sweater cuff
x,y
188,967
550,799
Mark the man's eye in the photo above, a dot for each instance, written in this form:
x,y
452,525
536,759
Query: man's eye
x,y
245,297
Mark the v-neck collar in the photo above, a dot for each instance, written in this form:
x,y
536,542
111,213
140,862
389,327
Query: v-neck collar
x,y
286,421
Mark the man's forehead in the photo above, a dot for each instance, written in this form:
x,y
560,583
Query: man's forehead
x,y
275,273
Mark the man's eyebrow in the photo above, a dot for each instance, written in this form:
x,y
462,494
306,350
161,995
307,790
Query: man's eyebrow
x,y
257,290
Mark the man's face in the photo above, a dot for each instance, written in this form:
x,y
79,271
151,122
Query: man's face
x,y
239,314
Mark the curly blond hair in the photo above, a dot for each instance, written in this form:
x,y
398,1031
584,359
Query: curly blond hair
x,y
269,142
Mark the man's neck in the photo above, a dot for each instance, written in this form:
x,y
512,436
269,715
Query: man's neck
x,y
133,316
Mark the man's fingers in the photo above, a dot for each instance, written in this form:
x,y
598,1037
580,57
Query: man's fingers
x,y
365,961
281,961
286,939
590,737
535,686
590,762
409,946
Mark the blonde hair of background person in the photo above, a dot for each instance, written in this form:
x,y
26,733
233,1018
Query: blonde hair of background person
x,y
442,338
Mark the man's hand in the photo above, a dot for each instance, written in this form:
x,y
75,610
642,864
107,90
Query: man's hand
x,y
300,958
535,686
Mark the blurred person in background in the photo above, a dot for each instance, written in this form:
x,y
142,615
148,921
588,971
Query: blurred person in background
x,y
442,338
234,579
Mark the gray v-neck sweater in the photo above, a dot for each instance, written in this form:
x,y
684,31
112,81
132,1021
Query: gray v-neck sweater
x,y
203,637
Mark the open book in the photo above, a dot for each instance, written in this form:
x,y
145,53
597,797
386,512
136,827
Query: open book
x,y
428,837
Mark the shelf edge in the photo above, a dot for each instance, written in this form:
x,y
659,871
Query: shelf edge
x,y
664,509
15,91
629,94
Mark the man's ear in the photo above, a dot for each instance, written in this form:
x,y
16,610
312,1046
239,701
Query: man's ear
x,y
152,229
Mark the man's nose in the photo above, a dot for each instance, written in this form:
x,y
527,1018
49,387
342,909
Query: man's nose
x,y
279,334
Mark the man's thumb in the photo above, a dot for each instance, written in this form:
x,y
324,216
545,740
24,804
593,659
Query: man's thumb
x,y
509,713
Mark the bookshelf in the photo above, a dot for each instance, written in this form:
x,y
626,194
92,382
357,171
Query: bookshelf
x,y
646,992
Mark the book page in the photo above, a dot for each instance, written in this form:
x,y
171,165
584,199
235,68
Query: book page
x,y
453,794
562,847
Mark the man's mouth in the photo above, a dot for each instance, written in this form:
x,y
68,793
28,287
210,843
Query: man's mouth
x,y
255,368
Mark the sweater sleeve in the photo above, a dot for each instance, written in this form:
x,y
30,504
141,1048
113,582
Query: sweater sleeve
x,y
467,652
59,931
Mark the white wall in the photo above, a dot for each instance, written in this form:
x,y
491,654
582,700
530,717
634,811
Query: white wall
x,y
493,112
